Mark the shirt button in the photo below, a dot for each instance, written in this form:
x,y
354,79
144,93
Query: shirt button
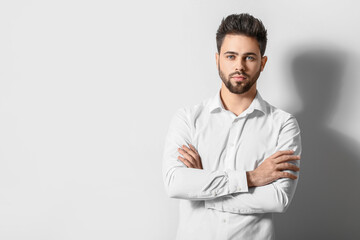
x,y
224,220
231,144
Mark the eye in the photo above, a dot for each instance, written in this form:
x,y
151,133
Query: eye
x,y
250,58
230,57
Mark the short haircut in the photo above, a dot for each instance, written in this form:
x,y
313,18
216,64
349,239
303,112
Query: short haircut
x,y
244,24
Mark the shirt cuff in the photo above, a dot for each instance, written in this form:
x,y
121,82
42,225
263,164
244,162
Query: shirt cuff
x,y
237,181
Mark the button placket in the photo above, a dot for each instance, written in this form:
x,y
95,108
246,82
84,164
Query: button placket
x,y
230,151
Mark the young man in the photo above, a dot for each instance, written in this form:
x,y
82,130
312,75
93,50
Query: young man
x,y
232,159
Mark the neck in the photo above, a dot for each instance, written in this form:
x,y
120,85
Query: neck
x,y
237,103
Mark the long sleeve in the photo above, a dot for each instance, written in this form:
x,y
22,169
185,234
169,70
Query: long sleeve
x,y
274,197
194,184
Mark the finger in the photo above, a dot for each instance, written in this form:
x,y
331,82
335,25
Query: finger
x,y
187,156
286,158
186,162
288,166
200,165
287,175
280,153
198,156
190,151
193,148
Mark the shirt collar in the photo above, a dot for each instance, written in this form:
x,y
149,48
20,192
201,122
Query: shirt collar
x,y
257,104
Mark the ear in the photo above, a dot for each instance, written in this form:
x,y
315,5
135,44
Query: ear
x,y
217,59
263,62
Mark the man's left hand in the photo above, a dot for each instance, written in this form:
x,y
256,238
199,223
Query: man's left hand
x,y
190,157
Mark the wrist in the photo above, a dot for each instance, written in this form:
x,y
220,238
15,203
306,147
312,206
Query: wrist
x,y
250,178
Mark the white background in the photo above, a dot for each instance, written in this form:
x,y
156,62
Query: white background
x,y
87,90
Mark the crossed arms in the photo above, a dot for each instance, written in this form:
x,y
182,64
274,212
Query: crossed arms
x,y
268,188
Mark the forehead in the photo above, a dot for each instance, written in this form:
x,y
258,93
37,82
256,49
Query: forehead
x,y
240,44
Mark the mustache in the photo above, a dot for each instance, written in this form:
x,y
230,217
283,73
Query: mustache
x,y
238,73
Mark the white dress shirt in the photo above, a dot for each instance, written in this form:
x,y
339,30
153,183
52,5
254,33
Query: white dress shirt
x,y
215,202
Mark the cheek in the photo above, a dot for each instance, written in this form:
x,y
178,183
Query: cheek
x,y
228,67
255,67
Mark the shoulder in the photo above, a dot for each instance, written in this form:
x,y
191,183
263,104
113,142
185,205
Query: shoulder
x,y
190,113
280,116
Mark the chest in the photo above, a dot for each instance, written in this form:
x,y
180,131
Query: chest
x,y
235,144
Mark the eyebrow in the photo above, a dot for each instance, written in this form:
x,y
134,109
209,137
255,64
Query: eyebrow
x,y
235,53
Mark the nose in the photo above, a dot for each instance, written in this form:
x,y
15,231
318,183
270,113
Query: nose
x,y
240,65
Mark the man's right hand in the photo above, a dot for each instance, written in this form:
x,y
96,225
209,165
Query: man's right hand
x,y
273,168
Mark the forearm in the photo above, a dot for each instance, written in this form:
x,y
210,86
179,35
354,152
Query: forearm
x,y
274,197
190,183
196,184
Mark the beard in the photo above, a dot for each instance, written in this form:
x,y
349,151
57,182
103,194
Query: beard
x,y
239,87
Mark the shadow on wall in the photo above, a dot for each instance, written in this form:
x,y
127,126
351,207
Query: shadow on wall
x,y
326,202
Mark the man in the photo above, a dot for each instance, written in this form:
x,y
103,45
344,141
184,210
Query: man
x,y
233,159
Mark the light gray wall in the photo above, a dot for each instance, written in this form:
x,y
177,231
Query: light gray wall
x,y
87,90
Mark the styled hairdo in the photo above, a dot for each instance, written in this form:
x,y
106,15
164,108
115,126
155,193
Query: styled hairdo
x,y
242,24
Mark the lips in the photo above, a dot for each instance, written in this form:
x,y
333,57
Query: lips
x,y
238,77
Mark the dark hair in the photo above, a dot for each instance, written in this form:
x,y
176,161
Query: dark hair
x,y
242,24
